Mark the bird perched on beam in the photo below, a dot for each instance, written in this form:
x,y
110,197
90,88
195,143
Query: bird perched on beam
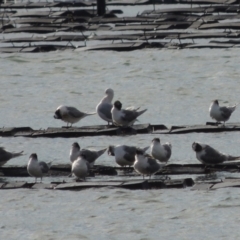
x,y
6,156
145,165
161,152
90,155
124,155
37,169
221,114
124,117
210,156
105,105
80,167
70,115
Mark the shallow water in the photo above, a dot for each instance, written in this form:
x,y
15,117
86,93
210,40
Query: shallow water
x,y
120,214
176,86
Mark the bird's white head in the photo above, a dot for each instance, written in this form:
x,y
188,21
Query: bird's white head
x,y
61,110
109,93
75,146
33,157
156,141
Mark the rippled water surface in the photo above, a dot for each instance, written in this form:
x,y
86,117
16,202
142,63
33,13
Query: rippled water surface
x,y
176,86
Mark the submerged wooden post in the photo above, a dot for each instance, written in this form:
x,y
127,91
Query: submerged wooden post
x,y
101,5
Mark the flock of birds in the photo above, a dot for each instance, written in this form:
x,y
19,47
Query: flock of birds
x,y
145,164
111,113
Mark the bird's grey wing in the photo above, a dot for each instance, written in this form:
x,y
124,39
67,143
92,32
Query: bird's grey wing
x,y
129,116
225,112
212,156
101,152
130,153
168,150
44,167
153,165
75,112
2,150
145,149
105,109
90,156
88,165
5,156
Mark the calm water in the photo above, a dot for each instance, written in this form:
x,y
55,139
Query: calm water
x,y
176,86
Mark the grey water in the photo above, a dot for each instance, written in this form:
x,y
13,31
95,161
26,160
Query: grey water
x,y
176,86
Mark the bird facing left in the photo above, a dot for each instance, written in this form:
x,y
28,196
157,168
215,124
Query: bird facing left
x,y
70,115
6,156
37,169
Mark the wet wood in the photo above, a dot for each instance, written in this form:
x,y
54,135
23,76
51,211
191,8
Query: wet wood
x,y
209,127
214,185
43,186
227,183
63,170
129,184
71,16
202,186
14,185
111,130
135,184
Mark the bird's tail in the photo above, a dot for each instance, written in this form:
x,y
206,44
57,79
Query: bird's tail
x,y
50,163
88,114
17,154
132,108
232,158
141,112
101,152
232,108
145,149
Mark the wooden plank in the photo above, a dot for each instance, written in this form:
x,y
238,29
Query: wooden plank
x,y
83,185
13,185
225,25
43,186
227,183
189,129
129,46
35,30
202,186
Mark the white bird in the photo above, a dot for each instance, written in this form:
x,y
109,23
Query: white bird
x,y
70,114
124,117
145,165
6,156
221,114
80,167
210,156
124,155
37,169
90,155
161,152
105,105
